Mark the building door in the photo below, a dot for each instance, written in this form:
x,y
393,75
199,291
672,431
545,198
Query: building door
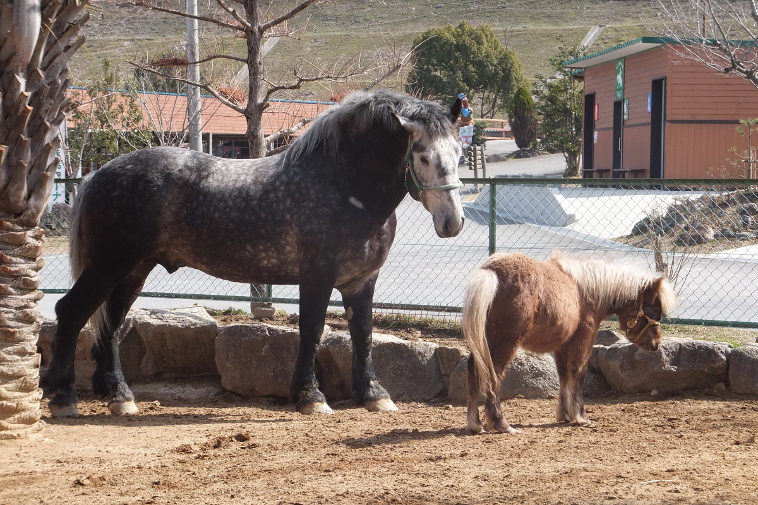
x,y
618,122
588,133
657,118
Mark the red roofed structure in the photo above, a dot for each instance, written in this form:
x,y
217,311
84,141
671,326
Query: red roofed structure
x,y
222,128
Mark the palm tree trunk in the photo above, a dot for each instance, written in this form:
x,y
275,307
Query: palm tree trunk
x,y
19,327
37,40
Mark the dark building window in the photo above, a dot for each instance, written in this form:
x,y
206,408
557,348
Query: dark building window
x,y
232,149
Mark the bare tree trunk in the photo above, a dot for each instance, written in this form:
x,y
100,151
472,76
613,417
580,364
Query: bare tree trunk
x,y
255,106
36,43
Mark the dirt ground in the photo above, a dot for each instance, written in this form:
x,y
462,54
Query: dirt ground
x,y
691,448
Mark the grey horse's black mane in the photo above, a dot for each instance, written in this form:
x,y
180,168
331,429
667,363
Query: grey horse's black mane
x,y
363,111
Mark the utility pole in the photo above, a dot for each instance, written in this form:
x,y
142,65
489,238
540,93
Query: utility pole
x,y
193,74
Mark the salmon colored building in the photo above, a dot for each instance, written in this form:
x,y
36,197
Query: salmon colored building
x,y
651,112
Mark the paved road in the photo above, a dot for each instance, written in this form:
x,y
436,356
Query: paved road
x,y
549,165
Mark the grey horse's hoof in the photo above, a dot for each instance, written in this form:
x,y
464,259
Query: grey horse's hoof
x,y
126,408
70,410
314,408
381,405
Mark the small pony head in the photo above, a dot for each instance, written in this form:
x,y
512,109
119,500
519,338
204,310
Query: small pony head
x,y
432,175
641,320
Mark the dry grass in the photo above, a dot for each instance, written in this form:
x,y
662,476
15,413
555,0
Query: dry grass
x,y
338,30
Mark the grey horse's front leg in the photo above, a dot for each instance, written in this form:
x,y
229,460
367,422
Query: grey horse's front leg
x,y
366,388
314,300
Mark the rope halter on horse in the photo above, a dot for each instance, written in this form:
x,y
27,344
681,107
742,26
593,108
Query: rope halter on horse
x,y
419,186
633,322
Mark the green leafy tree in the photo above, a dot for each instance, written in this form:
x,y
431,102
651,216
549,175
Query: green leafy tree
x,y
463,58
107,122
523,118
559,101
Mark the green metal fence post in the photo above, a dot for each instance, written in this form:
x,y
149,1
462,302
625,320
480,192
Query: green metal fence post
x,y
493,216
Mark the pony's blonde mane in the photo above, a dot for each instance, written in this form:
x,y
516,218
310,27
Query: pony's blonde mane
x,y
608,284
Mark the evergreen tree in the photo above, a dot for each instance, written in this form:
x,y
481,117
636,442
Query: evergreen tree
x,y
523,118
559,101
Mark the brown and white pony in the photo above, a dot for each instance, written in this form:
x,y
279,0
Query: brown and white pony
x,y
513,301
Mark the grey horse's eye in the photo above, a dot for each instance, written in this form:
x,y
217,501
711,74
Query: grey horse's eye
x,y
424,160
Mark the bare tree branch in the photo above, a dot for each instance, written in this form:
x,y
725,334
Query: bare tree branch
x,y
721,34
233,12
207,87
289,131
399,57
287,16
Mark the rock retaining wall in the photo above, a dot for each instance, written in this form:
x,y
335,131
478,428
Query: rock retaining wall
x,y
258,360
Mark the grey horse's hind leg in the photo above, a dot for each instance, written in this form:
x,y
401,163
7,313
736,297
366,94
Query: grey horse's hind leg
x,y
108,381
72,311
366,388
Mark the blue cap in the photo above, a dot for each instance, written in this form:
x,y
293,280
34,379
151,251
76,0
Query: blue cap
x,y
462,96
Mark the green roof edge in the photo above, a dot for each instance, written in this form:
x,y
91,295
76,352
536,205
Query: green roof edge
x,y
661,41
641,40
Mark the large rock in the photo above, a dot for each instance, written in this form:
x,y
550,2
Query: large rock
x,y
743,369
595,385
448,358
408,370
177,342
161,342
677,365
84,364
257,359
609,337
528,375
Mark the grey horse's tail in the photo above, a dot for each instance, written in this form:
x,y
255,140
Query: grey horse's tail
x,y
77,252
480,292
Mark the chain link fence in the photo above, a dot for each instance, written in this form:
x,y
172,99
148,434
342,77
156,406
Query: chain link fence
x,y
703,234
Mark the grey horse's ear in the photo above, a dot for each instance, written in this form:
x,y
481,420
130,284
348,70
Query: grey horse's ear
x,y
413,127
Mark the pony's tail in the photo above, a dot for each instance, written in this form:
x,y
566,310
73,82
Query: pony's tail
x,y
77,252
477,301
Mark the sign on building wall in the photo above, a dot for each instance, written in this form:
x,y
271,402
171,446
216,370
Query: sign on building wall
x,y
619,79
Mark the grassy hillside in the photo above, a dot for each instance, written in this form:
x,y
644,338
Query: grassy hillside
x,y
338,30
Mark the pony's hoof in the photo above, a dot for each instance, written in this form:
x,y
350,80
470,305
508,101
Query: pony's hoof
x,y
127,408
314,408
70,410
381,405
475,429
504,428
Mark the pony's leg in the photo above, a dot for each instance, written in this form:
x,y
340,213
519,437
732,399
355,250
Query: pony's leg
x,y
72,311
472,414
502,350
366,388
108,381
571,362
314,300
